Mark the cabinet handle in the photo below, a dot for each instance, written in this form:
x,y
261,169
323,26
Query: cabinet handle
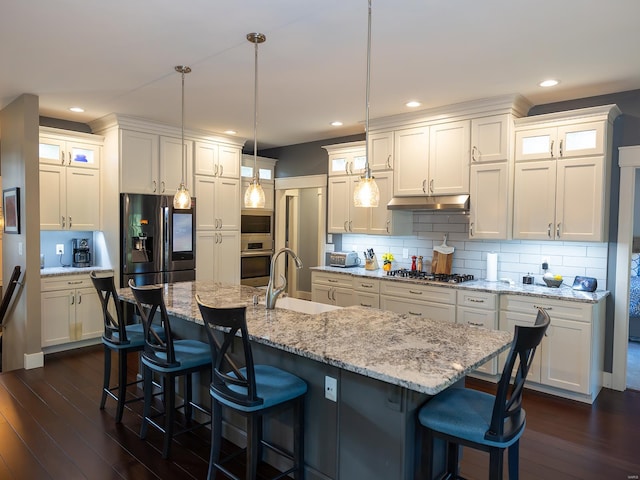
x,y
431,186
474,149
543,308
549,230
389,161
365,285
331,280
424,186
552,143
68,158
415,292
79,298
388,224
476,300
333,294
329,294
72,299
163,187
221,238
75,282
417,314
350,222
221,170
61,157
155,186
558,230
471,229
70,223
346,168
345,226
561,147
63,222
475,324
365,304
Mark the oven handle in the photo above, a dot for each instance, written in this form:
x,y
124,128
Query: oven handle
x,y
256,253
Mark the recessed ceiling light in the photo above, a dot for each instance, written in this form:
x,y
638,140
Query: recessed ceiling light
x,y
230,132
549,83
77,109
413,104
336,124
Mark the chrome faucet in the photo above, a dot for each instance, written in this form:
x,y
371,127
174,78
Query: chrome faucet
x,y
272,294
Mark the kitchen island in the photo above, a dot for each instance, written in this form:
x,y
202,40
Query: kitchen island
x,y
386,366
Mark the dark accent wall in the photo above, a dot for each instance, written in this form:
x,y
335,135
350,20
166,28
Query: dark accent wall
x,y
64,124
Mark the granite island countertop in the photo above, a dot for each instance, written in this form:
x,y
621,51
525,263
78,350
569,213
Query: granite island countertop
x,y
60,271
423,355
564,292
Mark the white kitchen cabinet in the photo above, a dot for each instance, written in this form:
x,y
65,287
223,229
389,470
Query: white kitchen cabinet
x,y
366,292
571,354
479,309
381,151
152,163
490,204
218,256
69,182
332,289
574,139
432,160
491,138
71,310
218,160
346,158
427,301
217,203
342,215
381,220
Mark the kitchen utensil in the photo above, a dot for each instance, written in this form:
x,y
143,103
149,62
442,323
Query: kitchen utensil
x,y
442,258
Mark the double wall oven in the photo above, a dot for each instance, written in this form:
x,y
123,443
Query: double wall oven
x,y
256,247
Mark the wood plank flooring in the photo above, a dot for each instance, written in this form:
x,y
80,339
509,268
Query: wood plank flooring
x,y
51,427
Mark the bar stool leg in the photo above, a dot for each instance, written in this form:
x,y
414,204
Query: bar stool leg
x,y
514,460
169,413
216,438
122,383
253,441
188,396
298,437
107,376
148,395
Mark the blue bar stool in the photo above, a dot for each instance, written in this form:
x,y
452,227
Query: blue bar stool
x,y
168,358
466,417
117,337
250,390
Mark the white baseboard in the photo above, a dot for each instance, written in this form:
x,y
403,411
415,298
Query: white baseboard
x,y
33,360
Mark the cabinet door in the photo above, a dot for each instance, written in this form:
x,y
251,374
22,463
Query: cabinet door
x,y
534,200
380,223
227,257
205,254
359,217
579,140
508,321
449,155
206,158
88,314
343,297
381,151
83,199
321,294
83,155
338,212
490,138
227,203
490,208
411,161
52,151
57,311
205,191
229,161
565,355
479,318
434,311
53,207
339,163
139,167
171,168
365,299
579,201
536,144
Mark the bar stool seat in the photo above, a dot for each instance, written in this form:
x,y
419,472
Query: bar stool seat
x,y
250,390
466,417
168,358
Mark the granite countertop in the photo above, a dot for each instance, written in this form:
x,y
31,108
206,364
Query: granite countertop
x,y
423,355
60,271
564,292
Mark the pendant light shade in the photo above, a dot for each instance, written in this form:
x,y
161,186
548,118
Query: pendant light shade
x,y
254,196
366,193
182,198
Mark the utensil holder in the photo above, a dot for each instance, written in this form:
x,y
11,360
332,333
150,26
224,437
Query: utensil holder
x,y
371,263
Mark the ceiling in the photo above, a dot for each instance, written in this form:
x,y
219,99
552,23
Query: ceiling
x,y
119,56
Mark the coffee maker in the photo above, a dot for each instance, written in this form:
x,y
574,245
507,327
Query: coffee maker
x,y
81,253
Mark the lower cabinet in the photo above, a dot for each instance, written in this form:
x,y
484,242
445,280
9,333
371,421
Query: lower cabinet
x,y
479,309
571,355
437,303
218,256
71,310
332,289
366,292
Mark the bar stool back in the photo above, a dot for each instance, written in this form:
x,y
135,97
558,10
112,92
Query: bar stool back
x,y
250,390
467,417
168,358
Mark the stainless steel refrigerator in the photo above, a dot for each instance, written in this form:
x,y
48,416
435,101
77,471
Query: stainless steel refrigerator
x,y
157,241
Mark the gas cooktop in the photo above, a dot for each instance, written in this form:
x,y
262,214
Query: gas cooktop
x,y
435,277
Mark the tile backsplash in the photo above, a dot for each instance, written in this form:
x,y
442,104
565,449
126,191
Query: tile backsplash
x,y
515,257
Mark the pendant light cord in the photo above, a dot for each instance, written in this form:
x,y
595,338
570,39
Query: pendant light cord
x,y
367,171
255,117
182,146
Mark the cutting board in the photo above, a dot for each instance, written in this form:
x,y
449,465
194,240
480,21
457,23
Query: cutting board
x,y
442,258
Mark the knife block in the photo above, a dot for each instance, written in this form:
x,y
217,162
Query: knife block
x,y
371,263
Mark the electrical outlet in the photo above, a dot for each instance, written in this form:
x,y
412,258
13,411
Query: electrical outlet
x,y
59,248
331,388
405,253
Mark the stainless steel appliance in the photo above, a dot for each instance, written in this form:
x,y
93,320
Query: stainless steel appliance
x,y
81,252
157,241
256,247
344,259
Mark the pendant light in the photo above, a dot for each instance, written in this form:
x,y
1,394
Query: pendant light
x,y
182,199
366,193
254,196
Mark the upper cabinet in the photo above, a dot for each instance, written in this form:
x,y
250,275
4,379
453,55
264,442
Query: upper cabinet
x,y
381,151
217,160
347,159
70,193
562,175
491,138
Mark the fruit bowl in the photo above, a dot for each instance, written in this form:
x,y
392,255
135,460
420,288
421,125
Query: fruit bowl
x,y
552,282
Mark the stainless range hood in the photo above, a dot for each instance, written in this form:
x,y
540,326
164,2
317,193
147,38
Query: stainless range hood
x,y
439,203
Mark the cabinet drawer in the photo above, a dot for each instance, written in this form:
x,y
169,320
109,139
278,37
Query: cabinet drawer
x,y
477,318
418,309
332,279
556,308
366,299
483,300
425,293
366,285
65,282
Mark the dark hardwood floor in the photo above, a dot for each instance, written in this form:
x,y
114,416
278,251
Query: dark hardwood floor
x,y
51,427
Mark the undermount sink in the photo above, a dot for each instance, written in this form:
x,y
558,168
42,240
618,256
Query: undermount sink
x,y
302,306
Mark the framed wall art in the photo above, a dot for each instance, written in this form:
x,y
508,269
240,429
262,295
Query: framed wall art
x,y
11,209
